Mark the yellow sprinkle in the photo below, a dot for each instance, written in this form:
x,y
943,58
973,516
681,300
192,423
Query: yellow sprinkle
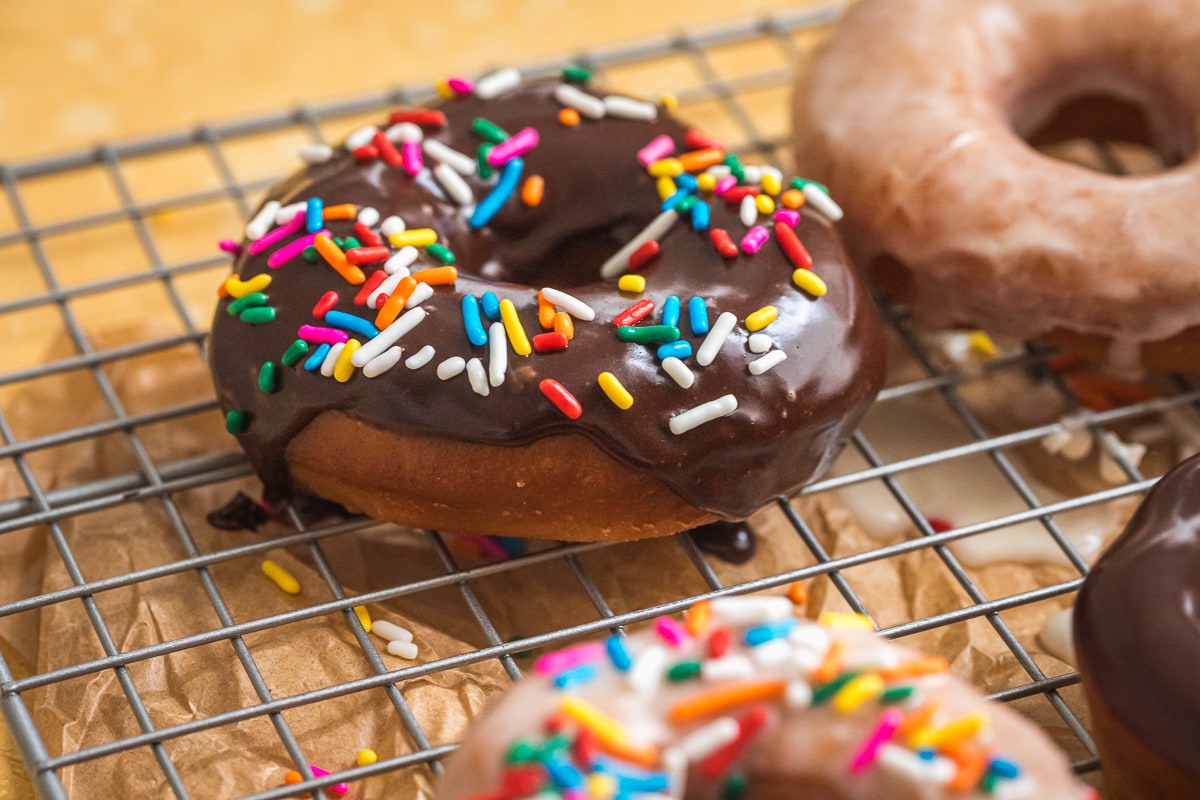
x,y
665,186
281,577
666,166
366,758
952,732
632,283
810,282
669,101
417,237
601,786
764,204
837,619
857,691
981,343
771,183
607,729
614,391
514,328
705,182
442,86
343,370
364,617
761,318
240,288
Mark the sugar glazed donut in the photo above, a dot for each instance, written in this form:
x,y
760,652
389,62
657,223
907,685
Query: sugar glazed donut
x,y
744,700
919,115
539,310
1137,638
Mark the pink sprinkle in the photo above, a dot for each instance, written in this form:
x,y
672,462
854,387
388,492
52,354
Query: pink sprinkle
x,y
489,547
321,335
520,142
292,249
671,632
660,147
410,152
230,246
573,794
878,738
753,241
724,185
460,85
569,657
788,216
338,788
278,234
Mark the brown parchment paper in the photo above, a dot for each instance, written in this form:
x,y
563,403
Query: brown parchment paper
x,y
247,756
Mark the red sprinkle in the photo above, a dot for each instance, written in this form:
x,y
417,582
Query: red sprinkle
x,y
326,303
550,341
523,780
387,150
554,724
421,117
723,242
638,258
753,721
793,248
718,642
371,284
368,152
367,255
699,140
939,525
367,236
737,193
563,400
635,313
585,748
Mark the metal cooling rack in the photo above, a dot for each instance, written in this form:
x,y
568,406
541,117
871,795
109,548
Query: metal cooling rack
x,y
739,99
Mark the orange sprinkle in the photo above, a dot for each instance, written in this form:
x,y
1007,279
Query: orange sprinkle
x,y
334,256
697,617
918,719
714,701
971,760
831,664
395,302
222,290
564,324
568,117
798,593
546,312
696,160
343,211
792,198
292,777
1115,389
436,276
916,667
532,191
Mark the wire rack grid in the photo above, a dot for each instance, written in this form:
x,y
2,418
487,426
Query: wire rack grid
x,y
735,81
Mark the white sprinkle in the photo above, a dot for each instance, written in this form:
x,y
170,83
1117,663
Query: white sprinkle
x,y
497,83
497,353
750,611
732,667
675,764
420,294
289,212
368,216
452,366
457,188
421,357
399,261
391,226
586,104
646,673
798,695
331,359
767,362
406,650
628,108
1020,788
822,202
361,137
759,343
753,173
388,286
937,770
405,132
812,638
477,376
719,170
387,337
705,740
618,262
748,211
315,153
680,372
390,631
461,163
872,659
263,220
772,655
569,303
382,362
717,334
723,406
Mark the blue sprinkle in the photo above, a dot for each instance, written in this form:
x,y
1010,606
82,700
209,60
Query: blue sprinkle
x,y
681,348
926,753
698,315
349,322
631,780
314,212
679,194
514,546
670,311
476,335
563,773
686,181
618,653
1004,768
314,361
700,216
575,676
765,633
490,305
489,205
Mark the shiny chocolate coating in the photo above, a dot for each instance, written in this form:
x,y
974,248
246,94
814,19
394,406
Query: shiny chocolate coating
x,y
789,424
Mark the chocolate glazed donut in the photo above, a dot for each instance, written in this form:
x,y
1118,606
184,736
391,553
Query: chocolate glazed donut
x,y
1137,637
548,452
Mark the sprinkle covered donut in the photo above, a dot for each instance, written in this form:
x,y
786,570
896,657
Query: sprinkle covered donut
x,y
744,700
538,309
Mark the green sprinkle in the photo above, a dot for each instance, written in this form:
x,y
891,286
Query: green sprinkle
x,y
235,421
489,130
441,253
296,351
352,243
268,381
246,301
310,254
258,315
340,242
648,334
486,170
826,691
554,744
897,694
683,671
575,73
988,784
522,751
685,205
800,183
734,787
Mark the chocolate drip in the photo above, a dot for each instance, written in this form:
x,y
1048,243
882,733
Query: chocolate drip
x,y
731,542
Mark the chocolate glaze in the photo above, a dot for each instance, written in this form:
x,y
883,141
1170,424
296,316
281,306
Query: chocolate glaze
x,y
1137,631
789,424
